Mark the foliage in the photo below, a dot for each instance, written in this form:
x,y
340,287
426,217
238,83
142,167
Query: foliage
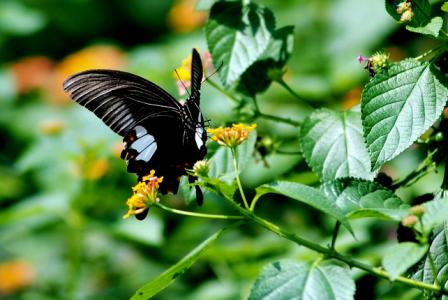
x,y
337,162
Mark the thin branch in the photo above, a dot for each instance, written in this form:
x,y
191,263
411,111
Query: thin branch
x,y
198,215
306,102
237,175
223,91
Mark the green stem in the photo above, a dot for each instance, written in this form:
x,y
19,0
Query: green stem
x,y
277,119
279,151
307,103
237,175
444,185
426,167
437,49
331,253
198,215
335,234
253,203
223,91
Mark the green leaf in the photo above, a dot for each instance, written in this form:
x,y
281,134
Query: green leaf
x,y
237,35
307,195
401,257
436,213
433,269
420,8
186,191
18,19
166,278
364,199
444,7
221,163
333,146
305,281
258,77
432,28
398,105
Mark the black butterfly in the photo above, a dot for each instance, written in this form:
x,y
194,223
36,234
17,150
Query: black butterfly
x,y
158,132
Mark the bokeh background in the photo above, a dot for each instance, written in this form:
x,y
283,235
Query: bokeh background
x,y
63,186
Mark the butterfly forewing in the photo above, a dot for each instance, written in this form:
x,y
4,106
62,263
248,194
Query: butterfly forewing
x,y
122,100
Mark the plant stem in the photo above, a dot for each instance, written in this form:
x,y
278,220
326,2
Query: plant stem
x,y
437,49
258,113
426,167
307,103
444,185
198,215
335,234
223,91
331,253
277,119
237,175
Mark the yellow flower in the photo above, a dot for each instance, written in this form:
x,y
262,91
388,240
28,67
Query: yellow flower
x,y
183,16
231,136
15,275
145,193
183,73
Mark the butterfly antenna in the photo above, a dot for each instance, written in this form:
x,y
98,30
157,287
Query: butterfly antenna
x,y
183,84
214,72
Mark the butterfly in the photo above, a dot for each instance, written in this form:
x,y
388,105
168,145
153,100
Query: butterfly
x,y
159,133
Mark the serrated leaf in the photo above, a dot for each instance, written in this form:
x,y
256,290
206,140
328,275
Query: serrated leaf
x,y
166,278
303,281
333,146
421,11
257,78
436,212
398,105
434,266
307,195
401,257
237,35
221,163
432,28
364,199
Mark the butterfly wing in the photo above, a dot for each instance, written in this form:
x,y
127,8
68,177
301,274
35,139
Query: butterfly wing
x,y
121,100
146,116
194,132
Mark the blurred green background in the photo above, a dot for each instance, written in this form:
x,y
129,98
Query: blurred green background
x,y
63,187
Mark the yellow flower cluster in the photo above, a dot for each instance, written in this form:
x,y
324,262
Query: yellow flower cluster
x,y
145,193
231,136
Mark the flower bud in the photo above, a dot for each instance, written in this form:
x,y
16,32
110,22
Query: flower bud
x,y
418,210
201,168
409,221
